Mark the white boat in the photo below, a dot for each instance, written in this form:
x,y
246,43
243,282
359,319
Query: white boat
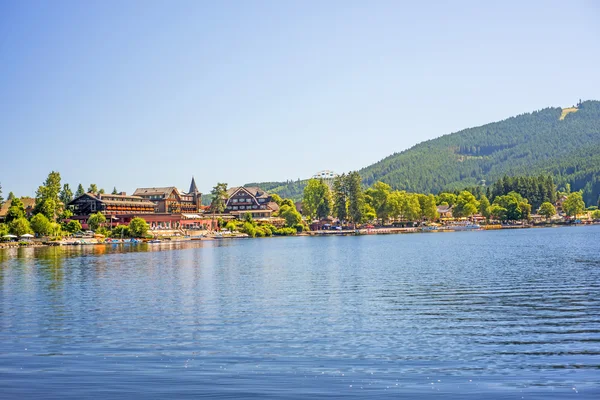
x,y
464,226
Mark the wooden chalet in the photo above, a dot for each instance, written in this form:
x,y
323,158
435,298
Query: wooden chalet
x,y
244,200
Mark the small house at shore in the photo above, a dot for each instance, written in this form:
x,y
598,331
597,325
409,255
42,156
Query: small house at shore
x,y
444,211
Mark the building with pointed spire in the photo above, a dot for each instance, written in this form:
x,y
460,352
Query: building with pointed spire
x,y
163,208
169,199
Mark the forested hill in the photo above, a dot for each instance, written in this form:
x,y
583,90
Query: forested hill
x,y
550,141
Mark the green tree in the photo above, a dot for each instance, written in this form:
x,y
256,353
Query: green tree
x,y
547,210
40,224
96,220
55,229
368,212
80,191
446,198
66,214
288,202
101,191
378,198
498,212
47,199
120,231
513,207
356,198
340,197
93,188
574,204
4,230
485,207
1,198
73,226
316,202
66,195
115,190
15,211
219,198
19,226
276,198
405,206
466,205
596,214
138,227
291,215
11,196
428,208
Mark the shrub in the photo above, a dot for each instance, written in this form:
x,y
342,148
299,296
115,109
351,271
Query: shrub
x,y
231,226
120,231
249,229
285,232
103,231
73,226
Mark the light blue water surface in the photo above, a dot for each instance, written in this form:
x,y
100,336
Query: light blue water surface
x,y
496,314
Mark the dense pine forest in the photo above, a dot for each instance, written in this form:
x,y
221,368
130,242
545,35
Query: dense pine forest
x,y
566,147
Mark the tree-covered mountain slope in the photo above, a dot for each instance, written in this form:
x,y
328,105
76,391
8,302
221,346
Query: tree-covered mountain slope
x,y
550,141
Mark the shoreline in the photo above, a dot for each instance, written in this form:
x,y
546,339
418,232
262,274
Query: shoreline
x,y
322,233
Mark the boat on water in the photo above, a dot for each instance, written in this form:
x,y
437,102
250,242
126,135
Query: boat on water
x,y
464,226
155,241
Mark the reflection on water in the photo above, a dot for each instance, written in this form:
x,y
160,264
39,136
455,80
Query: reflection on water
x,y
459,315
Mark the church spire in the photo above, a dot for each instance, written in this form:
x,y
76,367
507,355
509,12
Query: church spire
x,y
193,187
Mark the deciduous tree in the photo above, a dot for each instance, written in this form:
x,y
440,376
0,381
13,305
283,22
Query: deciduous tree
x,y
428,208
574,204
547,210
138,227
96,220
40,224
484,207
466,205
73,226
19,226
291,215
378,198
316,201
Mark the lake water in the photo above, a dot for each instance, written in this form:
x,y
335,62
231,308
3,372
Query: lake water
x,y
495,315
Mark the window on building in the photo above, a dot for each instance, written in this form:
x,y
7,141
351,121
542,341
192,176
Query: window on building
x,y
235,200
261,200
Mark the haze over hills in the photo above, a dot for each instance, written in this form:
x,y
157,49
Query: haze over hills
x,y
562,142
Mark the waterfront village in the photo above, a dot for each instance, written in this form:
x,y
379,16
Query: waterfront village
x,y
331,205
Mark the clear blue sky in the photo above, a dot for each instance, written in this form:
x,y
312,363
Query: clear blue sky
x,y
142,93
